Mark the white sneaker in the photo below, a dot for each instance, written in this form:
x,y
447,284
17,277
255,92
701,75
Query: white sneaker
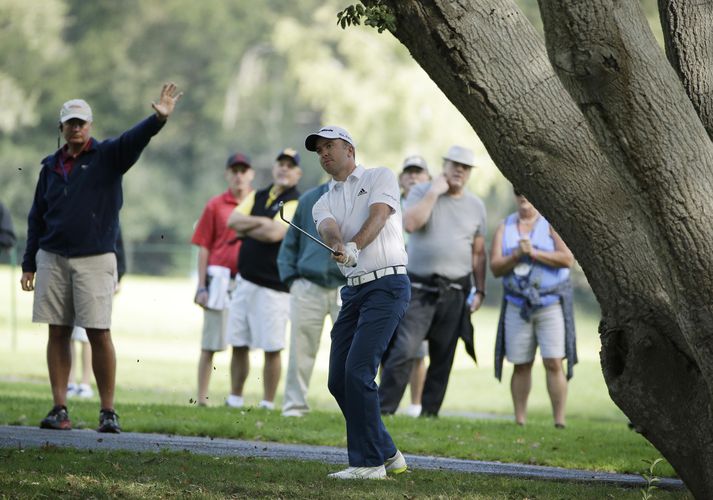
x,y
413,411
72,390
293,413
84,391
360,473
266,405
234,401
396,464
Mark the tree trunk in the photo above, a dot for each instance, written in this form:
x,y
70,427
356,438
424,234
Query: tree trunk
x,y
688,33
606,143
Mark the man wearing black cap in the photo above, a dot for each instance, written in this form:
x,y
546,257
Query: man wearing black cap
x,y
260,304
218,248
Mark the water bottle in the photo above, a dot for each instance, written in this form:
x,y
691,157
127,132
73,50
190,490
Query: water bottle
x,y
471,296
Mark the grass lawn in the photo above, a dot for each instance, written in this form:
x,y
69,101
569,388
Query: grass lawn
x,y
54,473
157,333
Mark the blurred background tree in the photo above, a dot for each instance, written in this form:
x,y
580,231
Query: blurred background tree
x,y
257,76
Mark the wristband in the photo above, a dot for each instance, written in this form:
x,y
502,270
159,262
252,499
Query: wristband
x,y
481,292
202,289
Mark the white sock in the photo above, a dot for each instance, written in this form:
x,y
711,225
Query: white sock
x,y
267,404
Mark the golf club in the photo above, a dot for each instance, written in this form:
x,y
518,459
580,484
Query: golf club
x,y
316,240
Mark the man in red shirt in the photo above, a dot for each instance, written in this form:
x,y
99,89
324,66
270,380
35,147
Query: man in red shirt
x,y
218,248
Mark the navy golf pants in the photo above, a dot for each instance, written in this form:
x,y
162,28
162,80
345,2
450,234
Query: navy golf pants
x,y
369,316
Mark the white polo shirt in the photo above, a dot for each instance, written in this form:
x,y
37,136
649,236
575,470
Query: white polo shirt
x,y
348,204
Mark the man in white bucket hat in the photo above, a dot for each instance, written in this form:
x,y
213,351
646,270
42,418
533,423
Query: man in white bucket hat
x,y
442,218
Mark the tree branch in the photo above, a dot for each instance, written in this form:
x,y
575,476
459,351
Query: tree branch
x,y
491,63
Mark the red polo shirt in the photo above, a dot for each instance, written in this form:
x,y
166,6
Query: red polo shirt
x,y
213,233
66,160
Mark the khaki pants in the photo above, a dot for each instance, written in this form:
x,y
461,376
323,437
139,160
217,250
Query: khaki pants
x,y
309,305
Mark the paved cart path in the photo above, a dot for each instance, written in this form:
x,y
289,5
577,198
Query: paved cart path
x,y
32,437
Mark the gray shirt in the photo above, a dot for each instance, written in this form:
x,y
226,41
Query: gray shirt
x,y
444,245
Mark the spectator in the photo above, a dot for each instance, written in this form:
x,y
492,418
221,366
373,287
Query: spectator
x,y
80,388
260,305
71,243
537,309
442,219
360,218
414,171
218,248
7,232
314,282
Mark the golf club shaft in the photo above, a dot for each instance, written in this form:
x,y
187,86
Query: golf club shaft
x,y
316,240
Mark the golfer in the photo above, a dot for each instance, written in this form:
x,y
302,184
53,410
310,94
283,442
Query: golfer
x,y
360,218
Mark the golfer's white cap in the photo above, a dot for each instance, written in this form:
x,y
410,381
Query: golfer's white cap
x,y
461,155
76,108
328,132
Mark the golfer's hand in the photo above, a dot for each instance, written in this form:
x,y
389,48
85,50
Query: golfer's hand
x,y
338,254
166,101
352,254
347,255
201,297
27,281
439,185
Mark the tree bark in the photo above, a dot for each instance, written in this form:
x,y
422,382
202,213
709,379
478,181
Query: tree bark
x,y
605,142
688,33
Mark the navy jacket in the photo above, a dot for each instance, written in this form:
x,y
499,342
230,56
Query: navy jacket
x,y
80,216
301,257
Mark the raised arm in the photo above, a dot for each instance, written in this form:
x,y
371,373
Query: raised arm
x,y
166,101
416,216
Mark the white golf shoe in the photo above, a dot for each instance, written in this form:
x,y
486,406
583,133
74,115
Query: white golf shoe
x,y
396,464
84,391
234,401
360,473
266,405
413,411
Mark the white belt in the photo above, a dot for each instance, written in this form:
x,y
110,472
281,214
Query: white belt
x,y
375,275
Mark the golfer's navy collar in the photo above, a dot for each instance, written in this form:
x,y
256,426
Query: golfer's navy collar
x,y
356,173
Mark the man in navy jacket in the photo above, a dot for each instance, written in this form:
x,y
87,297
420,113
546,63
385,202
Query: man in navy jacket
x,y
71,236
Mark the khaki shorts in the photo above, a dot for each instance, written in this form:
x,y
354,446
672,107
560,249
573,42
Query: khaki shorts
x,y
545,329
76,291
257,317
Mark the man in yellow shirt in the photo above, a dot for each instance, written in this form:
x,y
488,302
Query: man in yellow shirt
x,y
260,305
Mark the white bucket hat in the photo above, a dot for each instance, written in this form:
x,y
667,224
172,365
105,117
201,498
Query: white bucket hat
x,y
461,155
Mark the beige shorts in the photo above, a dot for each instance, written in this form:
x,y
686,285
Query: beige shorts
x,y
545,329
214,325
257,317
76,291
